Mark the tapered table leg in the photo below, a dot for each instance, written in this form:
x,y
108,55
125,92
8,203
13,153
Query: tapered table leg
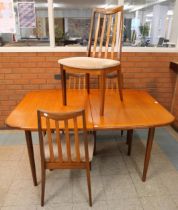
x,y
129,141
148,152
94,134
63,83
31,155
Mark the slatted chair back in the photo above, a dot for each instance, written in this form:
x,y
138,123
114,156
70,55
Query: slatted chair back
x,y
77,81
112,81
106,33
58,157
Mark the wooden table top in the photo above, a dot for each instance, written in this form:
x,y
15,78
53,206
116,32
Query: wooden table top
x,y
138,110
24,116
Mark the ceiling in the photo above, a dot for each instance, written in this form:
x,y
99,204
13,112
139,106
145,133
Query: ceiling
x,y
129,5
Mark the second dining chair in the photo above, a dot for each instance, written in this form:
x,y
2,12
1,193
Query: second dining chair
x,y
64,151
105,55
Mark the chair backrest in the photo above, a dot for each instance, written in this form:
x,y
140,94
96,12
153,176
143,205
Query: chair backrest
x,y
76,81
106,31
56,119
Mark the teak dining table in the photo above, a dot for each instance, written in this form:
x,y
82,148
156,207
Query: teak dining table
x,y
138,110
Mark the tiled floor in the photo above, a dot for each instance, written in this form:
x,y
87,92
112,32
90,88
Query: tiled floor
x,y
116,182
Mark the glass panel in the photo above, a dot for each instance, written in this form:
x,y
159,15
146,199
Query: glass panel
x,y
148,23
72,21
31,23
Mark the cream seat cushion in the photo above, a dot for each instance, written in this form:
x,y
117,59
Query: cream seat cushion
x,y
88,63
73,153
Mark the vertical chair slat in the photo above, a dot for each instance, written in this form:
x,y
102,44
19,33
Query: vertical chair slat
x,y
91,34
68,145
102,36
108,35
77,143
114,36
79,82
120,34
69,83
58,141
50,143
96,35
85,138
84,83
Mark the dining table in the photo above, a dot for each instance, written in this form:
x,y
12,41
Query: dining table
x,y
138,110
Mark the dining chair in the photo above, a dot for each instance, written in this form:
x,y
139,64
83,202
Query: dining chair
x,y
104,52
64,151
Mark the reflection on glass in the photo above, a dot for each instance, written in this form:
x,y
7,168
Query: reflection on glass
x,y
148,23
28,33
72,21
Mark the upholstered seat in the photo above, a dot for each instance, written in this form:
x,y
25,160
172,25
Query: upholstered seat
x,y
88,63
73,152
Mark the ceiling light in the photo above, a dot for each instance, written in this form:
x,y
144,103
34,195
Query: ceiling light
x,y
149,15
128,6
170,12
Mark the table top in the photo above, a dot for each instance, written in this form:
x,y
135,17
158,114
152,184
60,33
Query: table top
x,y
24,116
138,110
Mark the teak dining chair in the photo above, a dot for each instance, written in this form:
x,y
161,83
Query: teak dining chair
x,y
64,151
108,24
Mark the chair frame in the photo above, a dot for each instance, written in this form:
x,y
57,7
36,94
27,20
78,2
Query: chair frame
x,y
60,163
101,73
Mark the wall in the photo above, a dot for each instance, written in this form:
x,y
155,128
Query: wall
x,y
24,72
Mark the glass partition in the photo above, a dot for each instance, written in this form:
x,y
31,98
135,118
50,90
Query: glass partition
x,y
31,24
72,21
148,23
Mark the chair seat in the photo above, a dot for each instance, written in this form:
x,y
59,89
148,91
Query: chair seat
x,y
73,152
88,63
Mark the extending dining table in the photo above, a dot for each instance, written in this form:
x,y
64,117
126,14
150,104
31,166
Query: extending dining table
x,y
137,110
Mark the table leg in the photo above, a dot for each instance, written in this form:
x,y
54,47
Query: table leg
x,y
129,141
28,136
63,83
94,134
148,152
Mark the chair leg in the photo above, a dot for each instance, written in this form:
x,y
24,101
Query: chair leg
x,y
43,179
90,166
63,83
89,183
119,78
88,83
102,90
94,134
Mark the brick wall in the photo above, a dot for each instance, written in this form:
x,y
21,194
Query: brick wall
x,y
23,72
